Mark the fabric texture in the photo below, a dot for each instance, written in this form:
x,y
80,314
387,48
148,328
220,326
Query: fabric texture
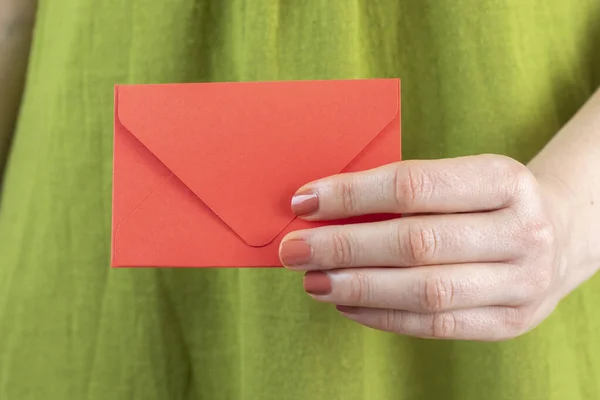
x,y
478,76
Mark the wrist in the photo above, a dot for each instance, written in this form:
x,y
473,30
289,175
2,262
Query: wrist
x,y
577,259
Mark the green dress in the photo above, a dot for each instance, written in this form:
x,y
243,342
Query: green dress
x,y
478,76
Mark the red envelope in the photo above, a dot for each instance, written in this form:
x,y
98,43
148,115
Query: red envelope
x,y
204,173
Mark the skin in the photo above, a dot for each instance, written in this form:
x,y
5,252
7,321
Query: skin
x,y
16,26
487,246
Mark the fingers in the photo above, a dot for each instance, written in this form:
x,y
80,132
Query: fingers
x,y
470,225
483,324
403,242
466,184
431,289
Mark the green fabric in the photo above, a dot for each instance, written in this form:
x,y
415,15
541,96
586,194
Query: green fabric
x,y
478,76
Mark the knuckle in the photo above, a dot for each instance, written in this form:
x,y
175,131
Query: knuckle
x,y
361,288
524,181
542,234
413,186
518,321
504,164
443,325
389,320
540,281
511,174
437,294
421,245
346,196
524,177
343,249
398,189
537,234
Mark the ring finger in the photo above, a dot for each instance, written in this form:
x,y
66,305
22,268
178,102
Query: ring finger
x,y
424,289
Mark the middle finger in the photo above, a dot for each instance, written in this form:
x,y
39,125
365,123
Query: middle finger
x,y
402,242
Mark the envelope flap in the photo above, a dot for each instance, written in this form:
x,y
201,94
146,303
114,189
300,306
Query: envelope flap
x,y
245,148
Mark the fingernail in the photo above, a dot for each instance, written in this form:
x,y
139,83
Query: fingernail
x,y
304,203
295,252
346,309
317,282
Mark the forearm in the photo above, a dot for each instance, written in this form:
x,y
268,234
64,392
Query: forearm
x,y
570,163
16,25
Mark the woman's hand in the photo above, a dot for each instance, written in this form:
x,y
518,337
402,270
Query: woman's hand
x,y
476,256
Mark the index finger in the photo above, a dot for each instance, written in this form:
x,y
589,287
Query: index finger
x,y
464,184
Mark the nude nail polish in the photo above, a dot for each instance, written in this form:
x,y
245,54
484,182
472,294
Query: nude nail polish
x,y
295,252
346,309
305,203
317,282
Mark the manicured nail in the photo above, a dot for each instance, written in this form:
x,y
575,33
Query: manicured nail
x,y
317,282
304,203
295,252
347,309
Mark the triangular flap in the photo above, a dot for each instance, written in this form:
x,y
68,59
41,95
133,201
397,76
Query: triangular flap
x,y
245,148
